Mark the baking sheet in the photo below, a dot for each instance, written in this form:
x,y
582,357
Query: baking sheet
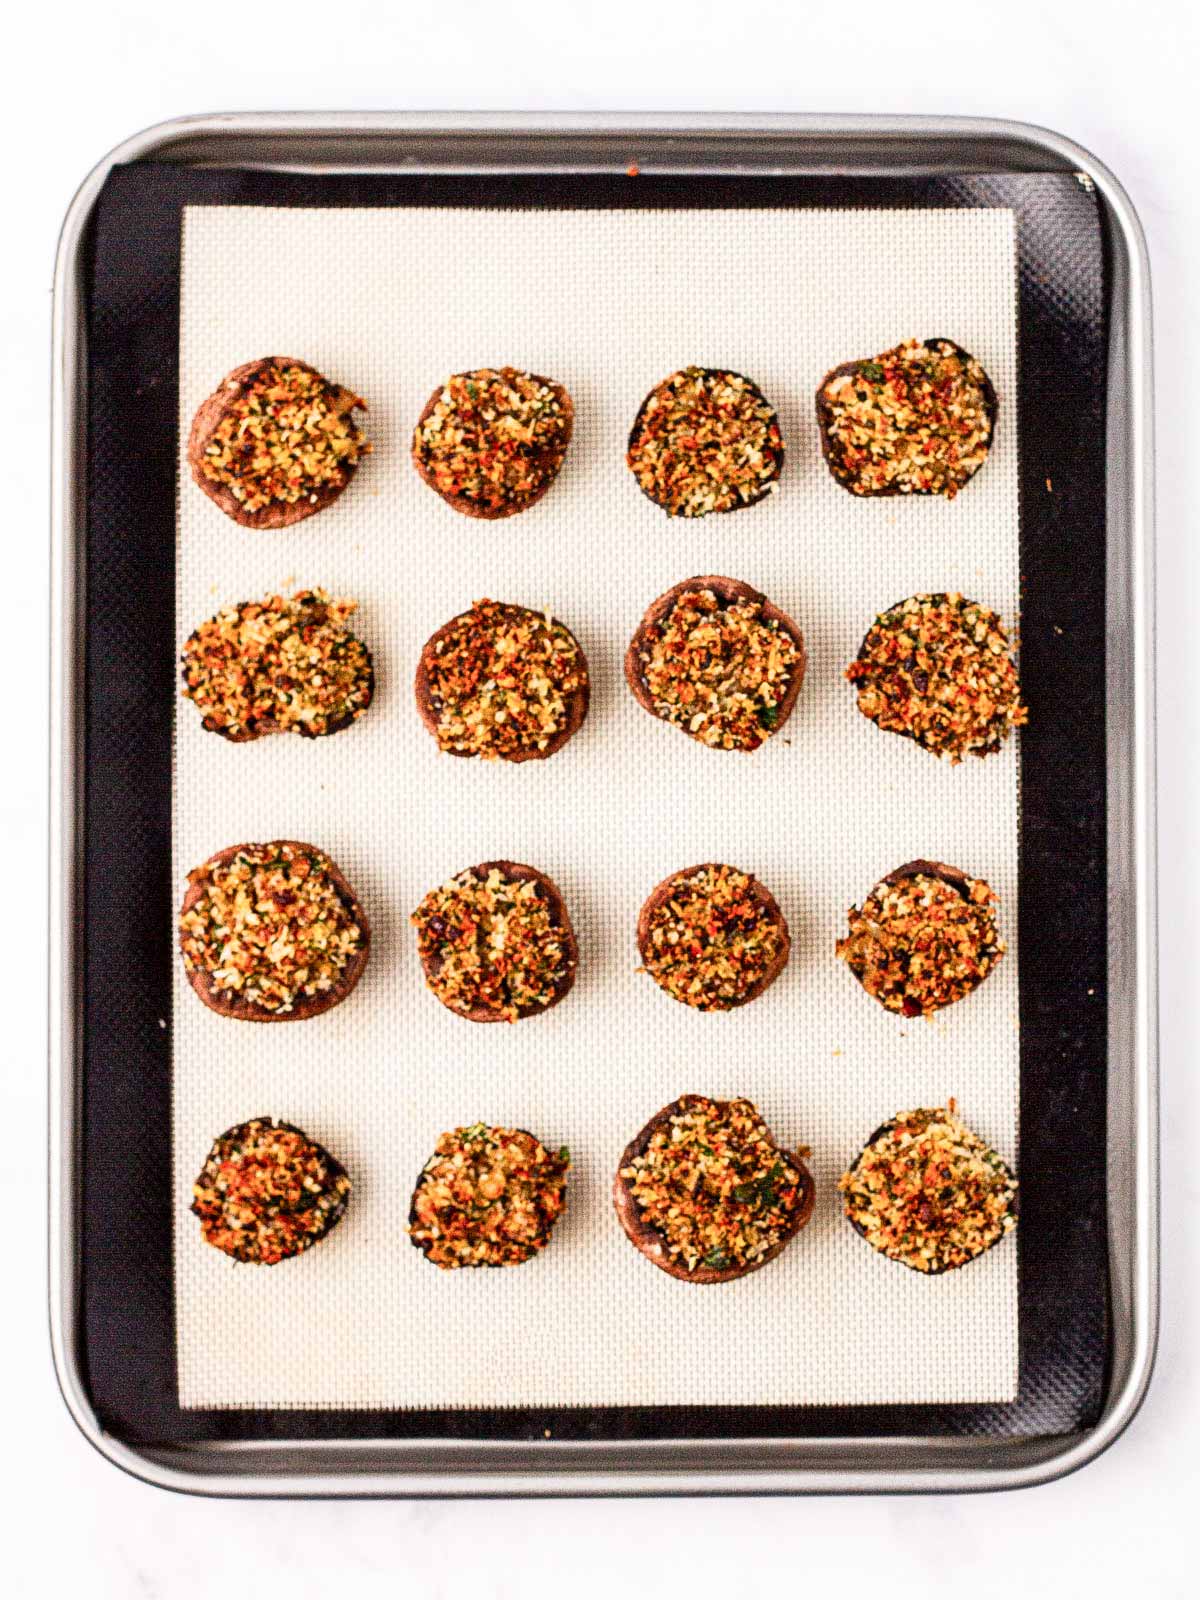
x,y
607,302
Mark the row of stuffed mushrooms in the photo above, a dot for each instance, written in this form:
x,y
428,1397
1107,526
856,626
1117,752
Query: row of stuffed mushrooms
x,y
274,933
712,657
277,441
704,1192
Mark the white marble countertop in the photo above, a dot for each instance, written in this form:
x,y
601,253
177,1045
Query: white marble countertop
x,y
1119,79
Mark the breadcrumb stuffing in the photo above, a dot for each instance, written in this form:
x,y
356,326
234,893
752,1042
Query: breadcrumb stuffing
x,y
719,671
285,437
705,441
915,420
269,926
712,939
922,943
267,1192
714,1186
930,1193
493,943
503,681
278,666
487,1197
939,669
495,438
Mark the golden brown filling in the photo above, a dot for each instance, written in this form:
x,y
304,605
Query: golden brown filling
x,y
929,1192
714,1186
494,438
289,666
914,420
289,435
269,927
938,668
919,944
711,940
266,1192
719,671
503,681
705,441
492,944
487,1197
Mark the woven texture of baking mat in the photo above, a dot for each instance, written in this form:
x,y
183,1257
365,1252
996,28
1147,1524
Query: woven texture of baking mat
x,y
389,302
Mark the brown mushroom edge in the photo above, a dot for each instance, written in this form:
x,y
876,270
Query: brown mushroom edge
x,y
825,421
651,1243
577,706
494,1266
308,1005
954,876
713,372
728,591
266,727
934,1272
762,895
333,1166
549,462
520,874
205,424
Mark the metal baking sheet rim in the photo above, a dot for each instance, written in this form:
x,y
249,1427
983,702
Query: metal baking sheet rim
x,y
462,141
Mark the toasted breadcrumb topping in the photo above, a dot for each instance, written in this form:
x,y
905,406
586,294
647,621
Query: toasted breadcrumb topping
x,y
487,1197
711,941
714,1186
492,943
920,944
930,1193
719,671
914,420
705,441
503,681
277,665
270,926
494,438
284,437
266,1192
939,669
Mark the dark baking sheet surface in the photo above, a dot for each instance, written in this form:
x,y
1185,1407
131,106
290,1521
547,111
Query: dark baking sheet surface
x,y
133,356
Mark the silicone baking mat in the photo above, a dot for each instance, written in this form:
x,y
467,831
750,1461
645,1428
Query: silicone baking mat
x,y
129,1200
389,301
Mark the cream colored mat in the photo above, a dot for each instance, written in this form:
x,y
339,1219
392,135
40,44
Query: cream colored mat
x,y
389,302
